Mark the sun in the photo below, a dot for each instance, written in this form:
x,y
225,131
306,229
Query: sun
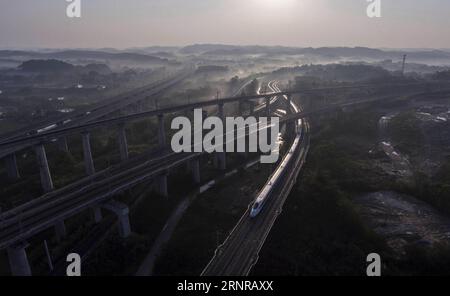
x,y
276,4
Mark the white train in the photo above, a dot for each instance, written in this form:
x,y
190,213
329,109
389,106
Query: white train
x,y
264,195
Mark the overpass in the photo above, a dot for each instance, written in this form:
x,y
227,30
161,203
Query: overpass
x,y
136,97
239,253
38,141
96,191
100,109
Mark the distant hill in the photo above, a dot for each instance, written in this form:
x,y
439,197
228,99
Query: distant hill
x,y
101,55
202,48
46,66
85,54
57,66
363,53
18,53
339,72
167,55
153,50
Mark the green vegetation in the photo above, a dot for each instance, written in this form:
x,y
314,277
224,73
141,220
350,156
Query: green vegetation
x,y
320,231
406,132
408,136
433,190
208,221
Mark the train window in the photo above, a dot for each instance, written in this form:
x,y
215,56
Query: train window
x,y
256,205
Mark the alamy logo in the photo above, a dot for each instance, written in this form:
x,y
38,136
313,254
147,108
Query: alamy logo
x,y
374,8
374,267
74,268
222,138
73,9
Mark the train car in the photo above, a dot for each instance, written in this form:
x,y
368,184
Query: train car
x,y
264,195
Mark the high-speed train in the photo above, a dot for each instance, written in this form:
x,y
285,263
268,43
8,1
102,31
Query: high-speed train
x,y
277,176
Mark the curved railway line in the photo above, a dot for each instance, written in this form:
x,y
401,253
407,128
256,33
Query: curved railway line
x,y
239,253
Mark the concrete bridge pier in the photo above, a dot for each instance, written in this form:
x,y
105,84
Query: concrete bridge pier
x,y
88,160
122,212
252,108
11,167
161,131
18,260
221,161
62,145
62,141
247,142
267,130
123,144
196,170
44,170
288,104
268,106
161,184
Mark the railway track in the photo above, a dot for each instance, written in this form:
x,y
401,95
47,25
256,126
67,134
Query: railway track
x,y
85,116
239,253
29,219
37,215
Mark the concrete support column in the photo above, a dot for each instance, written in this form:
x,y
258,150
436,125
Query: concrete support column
x,y
221,156
268,106
18,260
44,170
288,104
221,112
122,212
269,130
88,161
97,214
62,141
11,167
252,108
247,141
62,145
241,111
161,131
123,144
196,171
162,185
61,231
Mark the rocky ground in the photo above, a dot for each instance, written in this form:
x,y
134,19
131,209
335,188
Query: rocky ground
x,y
403,220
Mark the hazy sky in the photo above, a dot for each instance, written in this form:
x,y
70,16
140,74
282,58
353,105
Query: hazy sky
x,y
128,23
